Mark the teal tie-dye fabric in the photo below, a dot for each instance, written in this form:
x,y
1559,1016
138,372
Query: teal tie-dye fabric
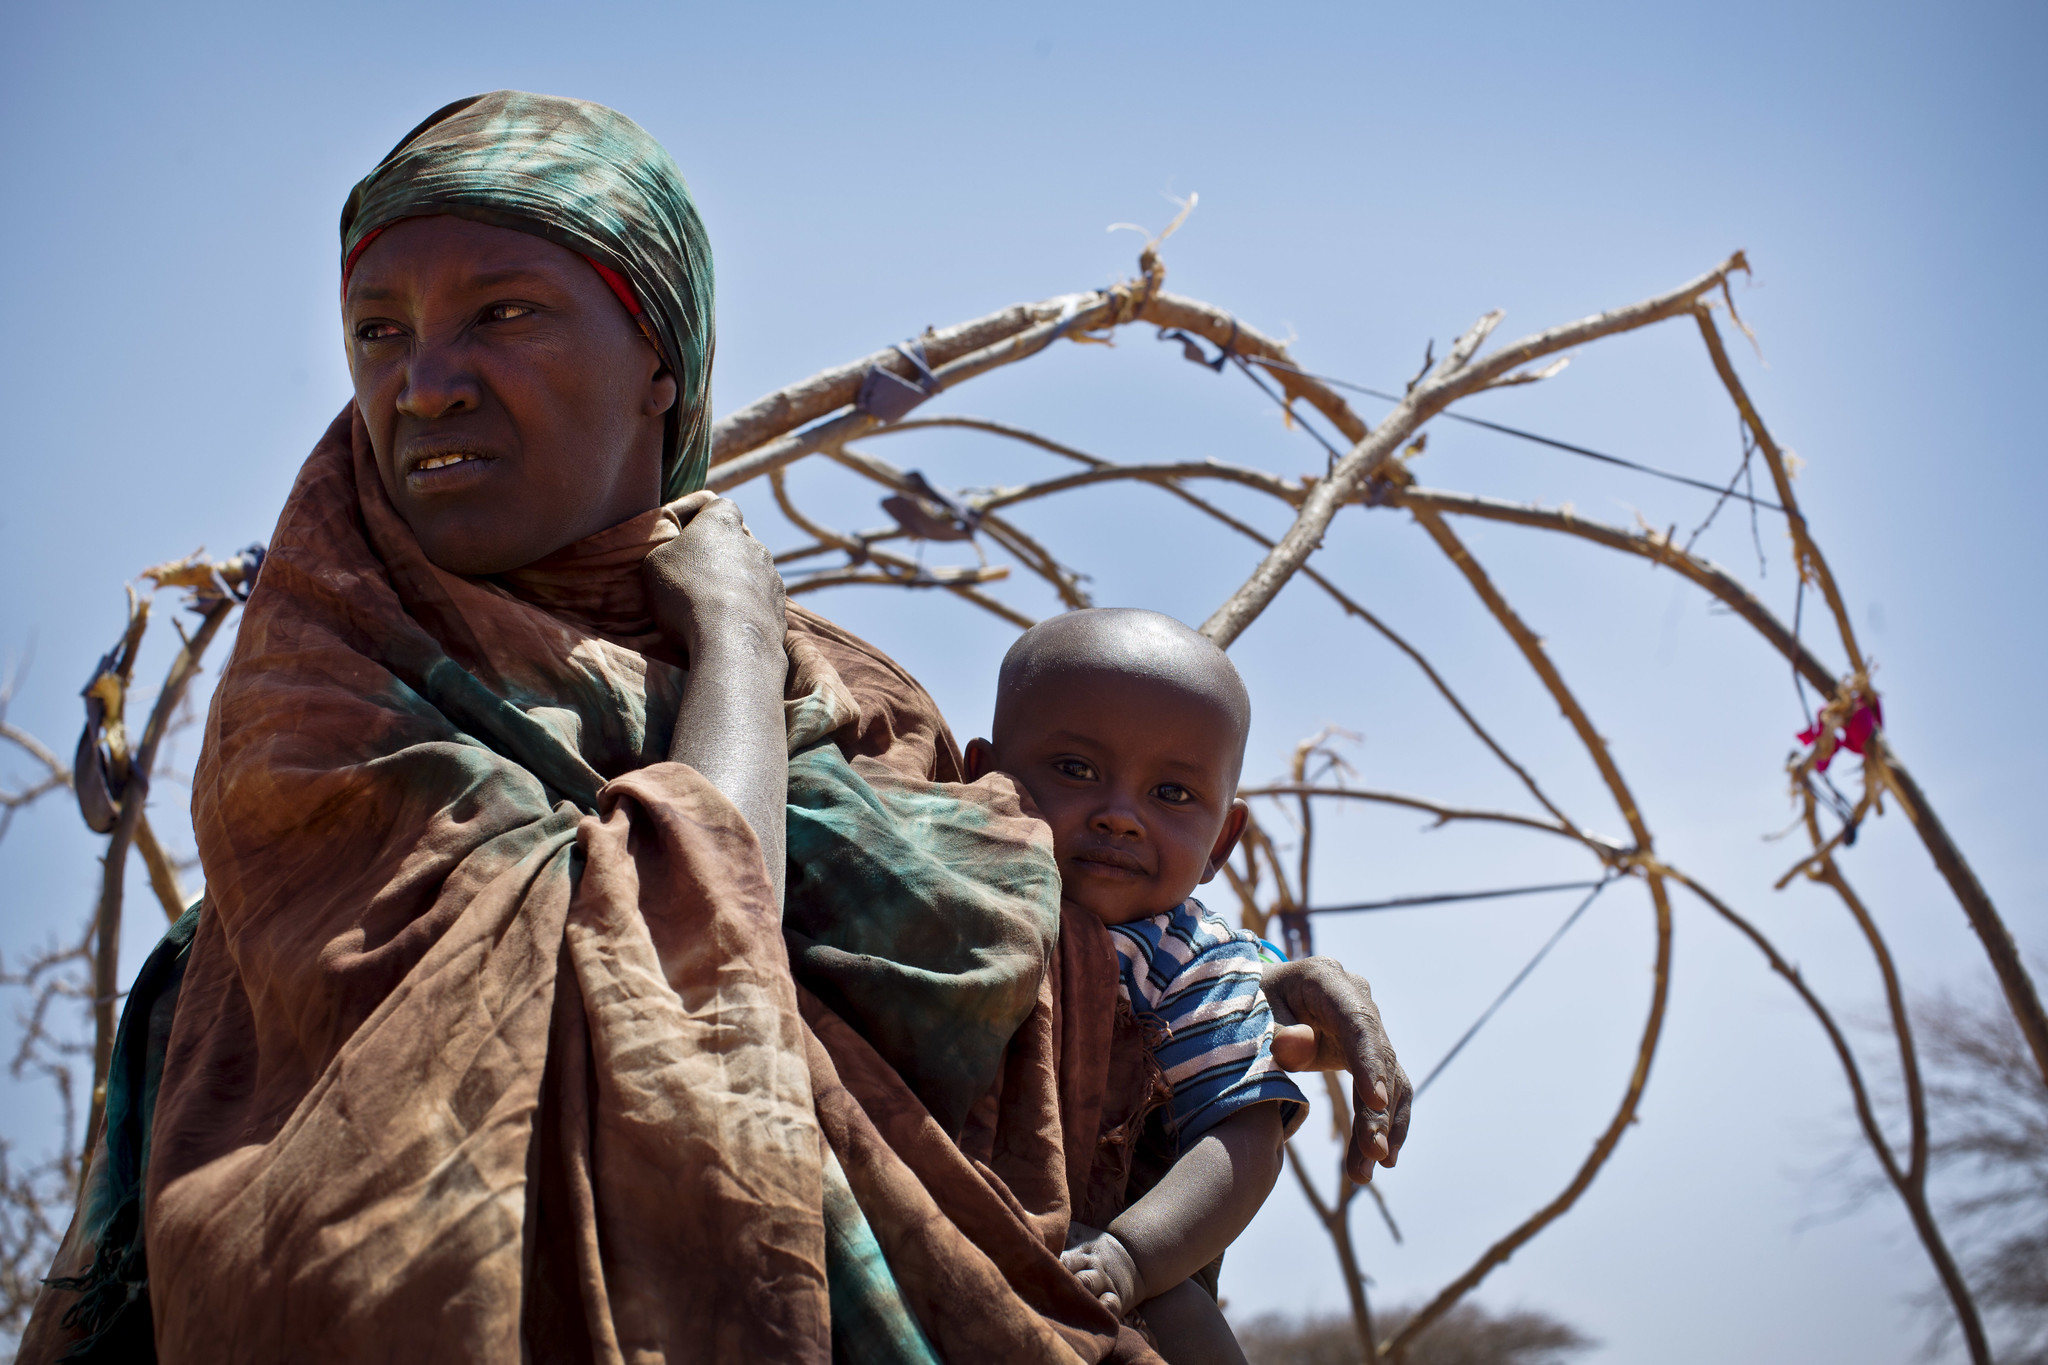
x,y
919,919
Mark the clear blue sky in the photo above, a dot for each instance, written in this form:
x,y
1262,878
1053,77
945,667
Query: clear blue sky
x,y
1371,177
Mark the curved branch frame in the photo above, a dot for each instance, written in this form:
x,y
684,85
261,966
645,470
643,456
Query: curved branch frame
x,y
763,439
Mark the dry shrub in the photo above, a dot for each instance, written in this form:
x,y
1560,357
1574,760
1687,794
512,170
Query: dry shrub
x,y
1468,1334
1990,1142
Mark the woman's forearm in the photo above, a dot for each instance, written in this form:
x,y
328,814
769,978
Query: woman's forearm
x,y
730,728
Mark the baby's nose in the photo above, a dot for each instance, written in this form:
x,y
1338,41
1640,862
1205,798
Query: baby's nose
x,y
1116,821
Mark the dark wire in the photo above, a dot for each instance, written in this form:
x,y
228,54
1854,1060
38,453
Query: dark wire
x,y
1520,434
1227,353
1520,977
1286,407
1448,897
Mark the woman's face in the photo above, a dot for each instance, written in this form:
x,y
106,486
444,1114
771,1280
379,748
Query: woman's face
x,y
513,404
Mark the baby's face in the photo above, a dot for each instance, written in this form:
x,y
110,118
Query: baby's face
x,y
1138,781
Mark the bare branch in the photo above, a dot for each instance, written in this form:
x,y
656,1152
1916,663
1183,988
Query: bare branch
x,y
1074,318
1603,1146
1237,337
56,777
992,606
163,873
1607,849
2021,994
37,750
1531,376
1539,660
1286,490
1653,546
1393,637
107,919
771,416
1033,556
1466,346
943,576
1004,429
1424,401
1809,561
787,450
1911,1185
1646,1050
906,573
1165,477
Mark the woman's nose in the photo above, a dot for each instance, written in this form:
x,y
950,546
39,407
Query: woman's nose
x,y
439,382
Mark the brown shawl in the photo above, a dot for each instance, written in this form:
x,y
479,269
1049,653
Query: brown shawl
x,y
485,1058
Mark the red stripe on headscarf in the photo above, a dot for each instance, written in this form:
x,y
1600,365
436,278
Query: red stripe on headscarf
x,y
614,281
348,267
617,283
623,287
620,286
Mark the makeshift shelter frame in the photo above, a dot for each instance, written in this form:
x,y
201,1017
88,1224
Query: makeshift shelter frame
x,y
824,416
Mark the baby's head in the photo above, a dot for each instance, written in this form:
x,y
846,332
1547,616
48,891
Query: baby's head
x,y
1128,730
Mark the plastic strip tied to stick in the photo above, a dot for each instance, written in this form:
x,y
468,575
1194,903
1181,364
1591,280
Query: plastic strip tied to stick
x,y
888,397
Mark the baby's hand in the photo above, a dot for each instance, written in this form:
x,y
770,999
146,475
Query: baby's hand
x,y
1104,1268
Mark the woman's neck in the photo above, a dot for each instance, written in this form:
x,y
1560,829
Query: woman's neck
x,y
596,581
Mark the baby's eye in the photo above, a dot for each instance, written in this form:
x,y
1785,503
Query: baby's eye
x,y
1173,793
1074,768
506,312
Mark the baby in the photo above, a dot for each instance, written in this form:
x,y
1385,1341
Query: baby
x,y
1128,730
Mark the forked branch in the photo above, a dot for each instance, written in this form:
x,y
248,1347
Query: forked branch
x,y
1457,377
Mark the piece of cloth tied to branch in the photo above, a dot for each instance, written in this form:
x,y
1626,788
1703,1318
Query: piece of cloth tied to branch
x,y
1846,721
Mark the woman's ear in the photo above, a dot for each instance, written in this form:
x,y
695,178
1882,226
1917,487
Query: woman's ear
x,y
661,391
981,759
1226,842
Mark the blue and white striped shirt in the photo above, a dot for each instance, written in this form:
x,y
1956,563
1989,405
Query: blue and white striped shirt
x,y
1197,979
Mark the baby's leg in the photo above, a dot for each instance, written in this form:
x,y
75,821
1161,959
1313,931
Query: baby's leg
x,y
1190,1327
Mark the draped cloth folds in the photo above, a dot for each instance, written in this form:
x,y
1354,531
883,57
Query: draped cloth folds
x,y
488,1044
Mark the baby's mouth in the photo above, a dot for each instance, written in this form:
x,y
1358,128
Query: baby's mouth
x,y
1110,861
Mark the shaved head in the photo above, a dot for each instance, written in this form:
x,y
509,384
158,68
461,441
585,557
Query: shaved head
x,y
1126,729
1130,642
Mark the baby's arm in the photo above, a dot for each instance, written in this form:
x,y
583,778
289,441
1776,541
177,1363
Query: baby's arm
x,y
1204,1201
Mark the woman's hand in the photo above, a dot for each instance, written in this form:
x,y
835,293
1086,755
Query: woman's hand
x,y
1318,992
714,587
717,597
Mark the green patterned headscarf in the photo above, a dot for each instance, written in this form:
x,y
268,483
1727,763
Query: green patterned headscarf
x,y
584,177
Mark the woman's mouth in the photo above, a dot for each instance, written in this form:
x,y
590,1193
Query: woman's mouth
x,y
447,471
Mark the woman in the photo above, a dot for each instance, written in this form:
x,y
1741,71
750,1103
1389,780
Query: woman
x,y
492,1039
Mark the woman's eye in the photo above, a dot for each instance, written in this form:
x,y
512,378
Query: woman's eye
x,y
505,312
376,331
1173,794
1074,768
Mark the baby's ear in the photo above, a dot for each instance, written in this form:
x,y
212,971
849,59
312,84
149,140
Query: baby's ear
x,y
1226,842
981,759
